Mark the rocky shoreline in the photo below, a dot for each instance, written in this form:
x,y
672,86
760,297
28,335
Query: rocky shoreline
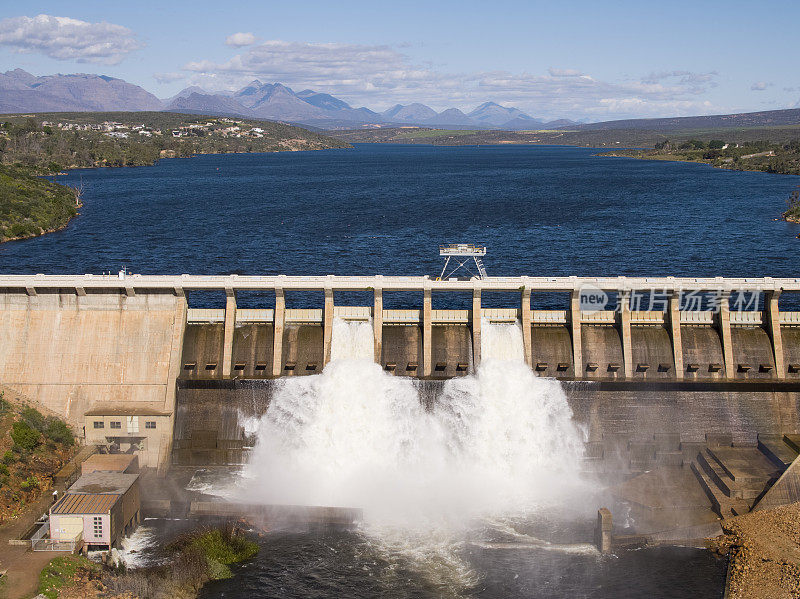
x,y
764,552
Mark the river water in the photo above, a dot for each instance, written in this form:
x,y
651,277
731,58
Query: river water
x,y
477,497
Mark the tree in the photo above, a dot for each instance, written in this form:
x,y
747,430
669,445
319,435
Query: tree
x,y
34,418
716,144
56,430
665,145
24,436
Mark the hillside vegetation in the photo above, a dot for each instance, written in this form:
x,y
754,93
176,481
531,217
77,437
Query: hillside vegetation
x,y
792,213
33,447
30,205
53,141
766,156
605,138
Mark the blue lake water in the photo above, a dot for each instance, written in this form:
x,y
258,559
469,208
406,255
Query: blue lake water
x,y
386,208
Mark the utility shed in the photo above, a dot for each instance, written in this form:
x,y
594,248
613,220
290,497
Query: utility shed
x,y
127,463
104,506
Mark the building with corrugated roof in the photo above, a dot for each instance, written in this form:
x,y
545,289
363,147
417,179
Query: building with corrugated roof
x,y
101,506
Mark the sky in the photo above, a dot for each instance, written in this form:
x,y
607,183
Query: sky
x,y
570,59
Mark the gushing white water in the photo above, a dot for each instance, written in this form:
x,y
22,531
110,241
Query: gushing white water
x,y
496,442
502,341
354,340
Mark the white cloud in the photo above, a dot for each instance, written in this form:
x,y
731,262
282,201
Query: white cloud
x,y
63,38
640,107
379,76
238,40
760,86
564,72
685,77
168,77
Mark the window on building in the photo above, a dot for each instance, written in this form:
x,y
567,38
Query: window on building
x,y
116,424
98,424
97,526
150,424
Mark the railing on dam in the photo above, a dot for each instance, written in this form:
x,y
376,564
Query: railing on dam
x,y
401,283
684,328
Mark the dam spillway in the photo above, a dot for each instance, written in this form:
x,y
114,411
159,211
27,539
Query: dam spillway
x,y
129,346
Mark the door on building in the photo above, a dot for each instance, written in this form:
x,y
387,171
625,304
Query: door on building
x,y
68,528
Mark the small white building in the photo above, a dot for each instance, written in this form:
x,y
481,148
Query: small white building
x,y
101,507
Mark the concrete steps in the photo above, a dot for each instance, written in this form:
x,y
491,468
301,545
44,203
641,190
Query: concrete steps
x,y
777,450
748,467
716,473
723,505
792,441
735,477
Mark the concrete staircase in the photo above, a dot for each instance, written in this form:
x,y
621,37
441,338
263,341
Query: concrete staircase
x,y
735,477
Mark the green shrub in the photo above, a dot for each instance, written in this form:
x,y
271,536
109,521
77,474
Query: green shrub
x,y
9,457
24,436
29,483
225,548
33,418
5,406
58,431
3,469
218,571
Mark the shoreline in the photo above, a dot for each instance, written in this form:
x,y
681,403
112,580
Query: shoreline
x,y
46,231
764,553
640,155
152,164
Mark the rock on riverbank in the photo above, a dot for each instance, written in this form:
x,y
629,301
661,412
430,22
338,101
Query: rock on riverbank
x,y
764,550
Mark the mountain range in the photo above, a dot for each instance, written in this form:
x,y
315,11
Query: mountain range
x,y
22,92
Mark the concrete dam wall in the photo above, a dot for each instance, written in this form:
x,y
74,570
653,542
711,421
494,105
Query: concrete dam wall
x,y
215,419
76,351
108,352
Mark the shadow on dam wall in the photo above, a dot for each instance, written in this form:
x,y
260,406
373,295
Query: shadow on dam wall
x,y
216,419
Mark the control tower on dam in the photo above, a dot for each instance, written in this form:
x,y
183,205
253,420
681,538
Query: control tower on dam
x,y
120,356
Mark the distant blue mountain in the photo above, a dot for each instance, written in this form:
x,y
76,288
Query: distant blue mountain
x,y
22,92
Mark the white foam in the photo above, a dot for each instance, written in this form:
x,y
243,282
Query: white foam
x,y
133,549
497,443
